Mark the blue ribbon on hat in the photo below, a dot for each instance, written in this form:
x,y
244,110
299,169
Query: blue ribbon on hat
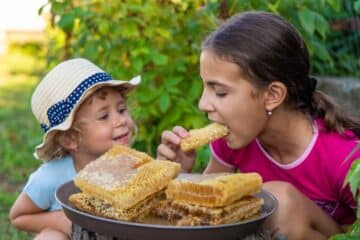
x,y
58,112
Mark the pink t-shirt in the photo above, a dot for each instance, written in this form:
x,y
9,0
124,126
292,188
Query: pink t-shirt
x,y
319,173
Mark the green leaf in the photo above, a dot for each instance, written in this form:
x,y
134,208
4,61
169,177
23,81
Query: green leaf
x,y
273,7
355,228
353,177
160,59
176,91
57,8
202,159
66,22
322,26
104,27
147,96
138,64
170,118
90,50
195,90
164,33
321,51
343,237
173,81
41,9
130,29
140,51
307,20
164,102
357,6
335,4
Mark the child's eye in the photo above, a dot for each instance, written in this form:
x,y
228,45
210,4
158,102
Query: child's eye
x,y
103,116
122,110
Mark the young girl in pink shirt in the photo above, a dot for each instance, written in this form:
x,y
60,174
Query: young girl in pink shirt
x,y
255,72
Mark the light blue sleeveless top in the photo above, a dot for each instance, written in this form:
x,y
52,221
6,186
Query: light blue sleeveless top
x,y
42,183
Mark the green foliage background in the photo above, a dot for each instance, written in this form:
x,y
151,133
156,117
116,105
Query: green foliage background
x,y
20,70
161,40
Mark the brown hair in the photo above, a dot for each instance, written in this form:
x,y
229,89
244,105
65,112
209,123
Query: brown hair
x,y
267,48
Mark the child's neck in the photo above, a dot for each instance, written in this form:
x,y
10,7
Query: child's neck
x,y
287,136
81,161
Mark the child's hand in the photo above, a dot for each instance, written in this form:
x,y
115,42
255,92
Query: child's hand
x,y
169,148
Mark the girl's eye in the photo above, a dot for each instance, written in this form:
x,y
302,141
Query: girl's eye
x,y
221,94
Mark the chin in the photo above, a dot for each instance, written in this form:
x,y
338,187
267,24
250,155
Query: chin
x,y
125,143
234,143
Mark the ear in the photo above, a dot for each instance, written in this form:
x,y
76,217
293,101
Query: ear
x,y
69,140
275,95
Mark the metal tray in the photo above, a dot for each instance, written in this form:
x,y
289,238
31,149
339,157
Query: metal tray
x,y
137,231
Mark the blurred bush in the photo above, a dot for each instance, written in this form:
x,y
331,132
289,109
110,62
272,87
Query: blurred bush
x,y
161,41
342,41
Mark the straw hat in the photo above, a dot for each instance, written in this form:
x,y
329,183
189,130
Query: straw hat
x,y
59,94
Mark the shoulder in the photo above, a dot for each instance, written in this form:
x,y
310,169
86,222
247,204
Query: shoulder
x,y
337,151
53,172
42,183
58,164
336,146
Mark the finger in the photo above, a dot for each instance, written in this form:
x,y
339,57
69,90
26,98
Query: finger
x,y
165,153
169,137
180,131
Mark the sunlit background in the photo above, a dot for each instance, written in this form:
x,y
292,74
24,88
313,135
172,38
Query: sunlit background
x,y
19,20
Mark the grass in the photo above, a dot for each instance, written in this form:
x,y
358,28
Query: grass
x,y
19,130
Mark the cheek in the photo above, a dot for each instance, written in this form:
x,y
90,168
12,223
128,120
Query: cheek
x,y
243,133
130,122
96,129
245,119
240,109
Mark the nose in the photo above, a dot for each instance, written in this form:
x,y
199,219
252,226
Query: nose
x,y
204,103
119,120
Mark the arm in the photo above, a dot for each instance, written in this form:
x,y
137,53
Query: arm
x,y
297,216
26,216
214,166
